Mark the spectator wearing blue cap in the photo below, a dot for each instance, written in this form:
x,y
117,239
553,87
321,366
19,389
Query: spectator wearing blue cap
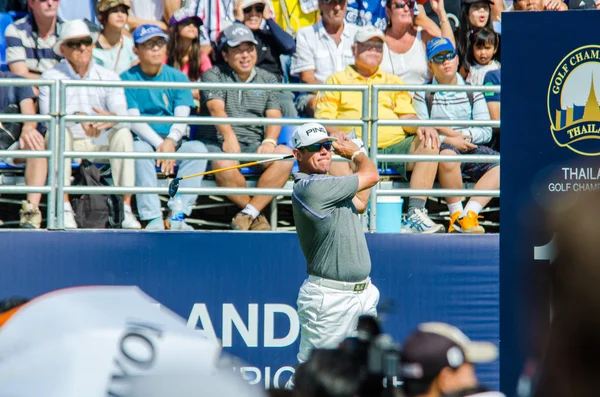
x,y
239,52
443,61
150,47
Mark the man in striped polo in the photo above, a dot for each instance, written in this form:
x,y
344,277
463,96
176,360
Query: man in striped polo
x,y
239,52
29,40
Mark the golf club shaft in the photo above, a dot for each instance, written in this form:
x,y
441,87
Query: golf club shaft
x,y
234,167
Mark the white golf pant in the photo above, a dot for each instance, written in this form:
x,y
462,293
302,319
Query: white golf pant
x,y
329,315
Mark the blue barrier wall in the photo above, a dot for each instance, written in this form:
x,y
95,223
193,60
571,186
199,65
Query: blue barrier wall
x,y
242,287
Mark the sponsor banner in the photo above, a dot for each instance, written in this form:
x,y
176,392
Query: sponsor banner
x,y
241,288
550,149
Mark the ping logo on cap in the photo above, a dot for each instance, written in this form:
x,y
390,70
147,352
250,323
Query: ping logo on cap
x,y
239,31
316,130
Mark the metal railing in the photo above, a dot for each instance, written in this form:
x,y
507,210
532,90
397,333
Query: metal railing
x,y
49,153
369,123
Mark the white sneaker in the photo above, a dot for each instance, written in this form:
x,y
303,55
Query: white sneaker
x,y
129,221
69,219
420,222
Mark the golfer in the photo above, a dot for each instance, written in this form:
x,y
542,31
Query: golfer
x,y
338,289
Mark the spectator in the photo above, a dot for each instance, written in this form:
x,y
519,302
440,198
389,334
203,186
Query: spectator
x,y
368,51
114,50
239,51
150,47
152,12
322,50
474,15
437,359
404,52
29,40
216,15
21,99
183,47
459,140
493,103
69,10
75,44
481,58
292,15
273,42
540,5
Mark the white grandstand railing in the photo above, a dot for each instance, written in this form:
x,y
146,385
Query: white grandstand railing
x,y
47,189
368,125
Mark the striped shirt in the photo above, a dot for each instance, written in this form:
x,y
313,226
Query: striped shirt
x,y
24,45
246,103
456,106
83,99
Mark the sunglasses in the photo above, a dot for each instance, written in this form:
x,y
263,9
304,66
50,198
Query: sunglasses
x,y
121,9
316,147
150,44
402,4
256,7
341,3
74,44
371,45
444,57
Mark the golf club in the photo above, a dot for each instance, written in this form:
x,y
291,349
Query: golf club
x,y
174,185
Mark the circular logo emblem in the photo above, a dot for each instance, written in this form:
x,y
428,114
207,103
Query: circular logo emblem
x,y
573,107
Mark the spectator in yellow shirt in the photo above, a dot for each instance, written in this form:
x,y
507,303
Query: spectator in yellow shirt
x,y
392,105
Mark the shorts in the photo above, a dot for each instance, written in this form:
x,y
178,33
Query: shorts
x,y
402,147
474,170
216,147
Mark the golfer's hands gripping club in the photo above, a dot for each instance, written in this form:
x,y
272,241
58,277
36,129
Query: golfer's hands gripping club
x,y
345,148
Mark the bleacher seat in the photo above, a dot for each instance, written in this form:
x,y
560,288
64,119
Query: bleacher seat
x,y
5,20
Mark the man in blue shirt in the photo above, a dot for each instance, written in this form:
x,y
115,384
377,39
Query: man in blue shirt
x,y
150,47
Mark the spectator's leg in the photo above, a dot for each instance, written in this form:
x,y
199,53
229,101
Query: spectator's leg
x,y
189,167
489,181
36,171
145,175
450,177
423,173
275,176
288,108
231,178
122,170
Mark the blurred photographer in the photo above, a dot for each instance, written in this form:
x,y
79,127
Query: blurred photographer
x,y
437,359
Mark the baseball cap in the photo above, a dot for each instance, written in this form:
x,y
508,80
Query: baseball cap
x,y
237,34
434,346
367,33
437,46
248,3
182,15
310,133
105,5
146,32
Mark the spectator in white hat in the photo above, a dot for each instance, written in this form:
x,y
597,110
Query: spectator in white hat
x,y
75,45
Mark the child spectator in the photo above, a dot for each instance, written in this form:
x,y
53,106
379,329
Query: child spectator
x,y
474,15
114,50
483,47
458,140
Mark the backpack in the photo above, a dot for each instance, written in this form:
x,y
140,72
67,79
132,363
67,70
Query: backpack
x,y
429,101
96,211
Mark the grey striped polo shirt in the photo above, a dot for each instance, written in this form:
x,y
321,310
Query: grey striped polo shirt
x,y
24,45
243,103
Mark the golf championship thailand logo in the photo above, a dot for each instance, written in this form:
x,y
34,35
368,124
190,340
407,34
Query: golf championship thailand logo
x,y
573,106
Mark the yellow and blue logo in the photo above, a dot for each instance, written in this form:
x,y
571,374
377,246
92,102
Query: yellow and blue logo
x,y
573,106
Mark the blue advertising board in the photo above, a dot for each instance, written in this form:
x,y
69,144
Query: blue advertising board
x,y
242,287
550,148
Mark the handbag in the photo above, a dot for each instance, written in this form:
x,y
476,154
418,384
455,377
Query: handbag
x,y
10,132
